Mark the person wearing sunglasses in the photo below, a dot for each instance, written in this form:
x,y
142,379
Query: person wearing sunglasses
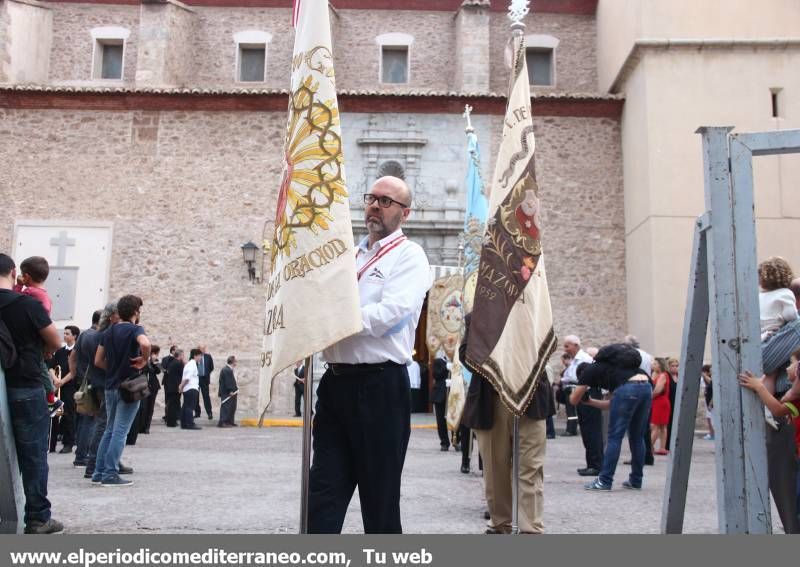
x,y
362,423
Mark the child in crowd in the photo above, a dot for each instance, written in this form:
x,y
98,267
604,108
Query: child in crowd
x,y
33,274
776,302
789,404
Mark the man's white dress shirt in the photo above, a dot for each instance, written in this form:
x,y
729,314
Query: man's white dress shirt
x,y
190,374
570,376
392,290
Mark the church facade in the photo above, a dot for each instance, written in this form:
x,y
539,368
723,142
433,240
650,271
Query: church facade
x,y
142,145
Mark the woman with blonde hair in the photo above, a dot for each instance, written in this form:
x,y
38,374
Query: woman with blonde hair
x,y
661,409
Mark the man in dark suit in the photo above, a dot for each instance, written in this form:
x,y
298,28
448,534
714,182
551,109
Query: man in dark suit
x,y
439,400
204,369
228,391
173,375
165,362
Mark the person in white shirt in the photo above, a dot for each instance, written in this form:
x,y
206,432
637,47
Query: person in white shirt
x,y
362,424
190,388
590,419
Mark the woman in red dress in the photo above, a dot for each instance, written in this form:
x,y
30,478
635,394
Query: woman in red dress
x,y
661,407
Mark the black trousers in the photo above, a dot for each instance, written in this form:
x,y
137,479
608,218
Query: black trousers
x,y
148,406
465,440
299,390
190,401
572,414
100,419
173,408
440,409
782,472
591,422
360,437
205,382
227,411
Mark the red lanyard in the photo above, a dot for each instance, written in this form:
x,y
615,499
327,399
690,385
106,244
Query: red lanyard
x,y
385,249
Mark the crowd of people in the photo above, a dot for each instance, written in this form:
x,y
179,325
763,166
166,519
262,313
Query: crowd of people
x,y
639,391
362,415
96,392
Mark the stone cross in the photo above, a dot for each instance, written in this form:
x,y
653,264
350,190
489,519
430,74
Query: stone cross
x,y
467,114
62,242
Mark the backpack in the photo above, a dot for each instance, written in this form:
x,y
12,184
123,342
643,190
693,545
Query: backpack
x,y
8,350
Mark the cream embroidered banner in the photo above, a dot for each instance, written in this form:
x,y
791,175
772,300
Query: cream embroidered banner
x,y
511,334
445,315
312,293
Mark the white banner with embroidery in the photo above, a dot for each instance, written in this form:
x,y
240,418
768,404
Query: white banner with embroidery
x,y
312,292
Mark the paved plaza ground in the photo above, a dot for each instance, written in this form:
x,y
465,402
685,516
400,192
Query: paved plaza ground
x,y
246,480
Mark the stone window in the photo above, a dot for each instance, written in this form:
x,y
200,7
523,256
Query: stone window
x,y
108,56
395,51
251,56
540,56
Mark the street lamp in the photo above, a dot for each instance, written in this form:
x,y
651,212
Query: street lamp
x,y
249,254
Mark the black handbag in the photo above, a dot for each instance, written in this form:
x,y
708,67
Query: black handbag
x,y
135,387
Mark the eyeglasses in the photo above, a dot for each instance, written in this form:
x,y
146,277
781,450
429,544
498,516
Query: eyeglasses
x,y
384,201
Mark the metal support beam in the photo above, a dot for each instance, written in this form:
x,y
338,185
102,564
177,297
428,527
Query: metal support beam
x,y
740,498
12,498
692,349
753,433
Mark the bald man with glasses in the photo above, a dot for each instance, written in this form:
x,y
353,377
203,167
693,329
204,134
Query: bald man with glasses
x,y
363,419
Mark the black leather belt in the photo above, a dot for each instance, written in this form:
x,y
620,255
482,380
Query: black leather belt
x,y
340,368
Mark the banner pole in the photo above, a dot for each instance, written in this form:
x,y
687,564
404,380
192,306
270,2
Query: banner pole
x,y
308,392
515,481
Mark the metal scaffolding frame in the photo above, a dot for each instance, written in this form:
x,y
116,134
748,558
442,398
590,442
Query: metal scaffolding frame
x,y
723,284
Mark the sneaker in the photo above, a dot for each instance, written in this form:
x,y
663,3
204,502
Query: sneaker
x,y
117,481
51,526
96,478
708,437
627,484
596,484
125,469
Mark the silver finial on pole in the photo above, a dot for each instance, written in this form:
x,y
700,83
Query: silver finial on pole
x,y
467,114
517,10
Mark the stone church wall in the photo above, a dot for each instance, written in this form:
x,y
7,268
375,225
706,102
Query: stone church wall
x,y
185,189
215,50
71,58
576,62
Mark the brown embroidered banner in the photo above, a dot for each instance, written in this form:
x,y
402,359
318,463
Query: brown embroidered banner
x,y
511,335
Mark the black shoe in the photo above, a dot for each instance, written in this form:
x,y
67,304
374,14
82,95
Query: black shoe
x,y
649,462
191,427
487,515
51,526
465,468
457,448
568,434
551,436
588,471
298,415
210,417
125,469
444,448
80,463
65,450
